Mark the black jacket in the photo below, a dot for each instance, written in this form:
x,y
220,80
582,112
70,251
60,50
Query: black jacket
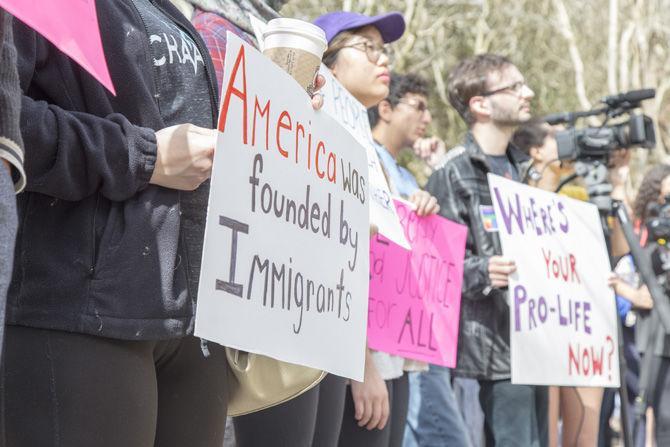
x,y
461,188
98,248
11,146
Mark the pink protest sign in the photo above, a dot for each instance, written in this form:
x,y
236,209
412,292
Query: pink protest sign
x,y
415,296
71,25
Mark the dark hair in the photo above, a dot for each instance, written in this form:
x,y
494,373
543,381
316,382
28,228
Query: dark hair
x,y
530,134
336,44
401,85
649,190
469,79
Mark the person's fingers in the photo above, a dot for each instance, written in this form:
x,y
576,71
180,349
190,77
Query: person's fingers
x,y
497,259
423,204
499,283
498,277
421,207
415,199
359,402
317,101
319,82
432,207
386,411
503,269
376,415
367,413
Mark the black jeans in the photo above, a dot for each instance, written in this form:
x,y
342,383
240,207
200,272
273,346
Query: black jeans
x,y
514,415
75,390
392,434
311,419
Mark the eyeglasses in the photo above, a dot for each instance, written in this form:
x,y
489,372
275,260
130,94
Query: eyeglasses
x,y
515,88
372,51
419,106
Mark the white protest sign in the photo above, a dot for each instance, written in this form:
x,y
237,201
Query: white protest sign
x,y
563,327
353,116
285,260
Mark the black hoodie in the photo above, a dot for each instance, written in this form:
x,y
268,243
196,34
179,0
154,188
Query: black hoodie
x,y
98,249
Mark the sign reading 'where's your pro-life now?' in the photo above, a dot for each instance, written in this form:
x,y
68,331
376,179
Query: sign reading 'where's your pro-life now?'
x,y
563,327
285,261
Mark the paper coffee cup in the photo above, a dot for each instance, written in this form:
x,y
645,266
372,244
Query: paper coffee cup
x,y
297,47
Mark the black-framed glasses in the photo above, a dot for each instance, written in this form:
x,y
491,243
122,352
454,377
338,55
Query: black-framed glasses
x,y
419,106
372,51
515,88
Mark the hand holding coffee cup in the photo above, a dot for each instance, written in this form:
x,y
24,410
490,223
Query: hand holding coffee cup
x,y
297,47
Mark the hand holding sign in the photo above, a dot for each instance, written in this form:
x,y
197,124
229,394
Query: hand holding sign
x,y
424,203
284,178
317,98
563,322
184,156
500,268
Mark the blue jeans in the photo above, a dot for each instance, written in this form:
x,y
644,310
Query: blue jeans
x,y
433,418
467,396
514,415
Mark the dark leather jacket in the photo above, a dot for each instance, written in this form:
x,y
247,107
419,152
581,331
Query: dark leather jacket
x,y
461,188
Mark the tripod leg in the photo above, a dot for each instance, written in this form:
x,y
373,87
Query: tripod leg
x,y
626,429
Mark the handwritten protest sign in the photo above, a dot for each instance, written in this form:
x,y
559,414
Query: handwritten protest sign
x,y
353,116
563,328
415,296
285,265
71,25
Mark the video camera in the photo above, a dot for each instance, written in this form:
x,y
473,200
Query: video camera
x,y
595,143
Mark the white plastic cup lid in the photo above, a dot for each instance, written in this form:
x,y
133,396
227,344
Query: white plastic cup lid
x,y
315,36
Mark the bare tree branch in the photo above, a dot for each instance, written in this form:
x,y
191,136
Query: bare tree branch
x,y
565,28
612,38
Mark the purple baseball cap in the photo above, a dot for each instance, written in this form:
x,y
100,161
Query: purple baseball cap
x,y
391,25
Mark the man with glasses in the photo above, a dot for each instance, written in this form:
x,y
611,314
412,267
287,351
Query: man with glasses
x,y
491,95
398,122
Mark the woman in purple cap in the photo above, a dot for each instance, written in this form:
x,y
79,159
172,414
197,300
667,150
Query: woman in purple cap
x,y
358,59
375,409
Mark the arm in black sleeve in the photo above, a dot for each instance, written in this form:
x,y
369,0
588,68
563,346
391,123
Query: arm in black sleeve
x,y
72,155
453,207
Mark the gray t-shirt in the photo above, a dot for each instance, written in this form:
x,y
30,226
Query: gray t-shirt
x,y
183,97
502,166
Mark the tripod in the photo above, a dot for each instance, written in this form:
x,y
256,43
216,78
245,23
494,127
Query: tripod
x,y
595,175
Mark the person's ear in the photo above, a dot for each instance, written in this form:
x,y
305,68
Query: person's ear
x,y
479,107
385,110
